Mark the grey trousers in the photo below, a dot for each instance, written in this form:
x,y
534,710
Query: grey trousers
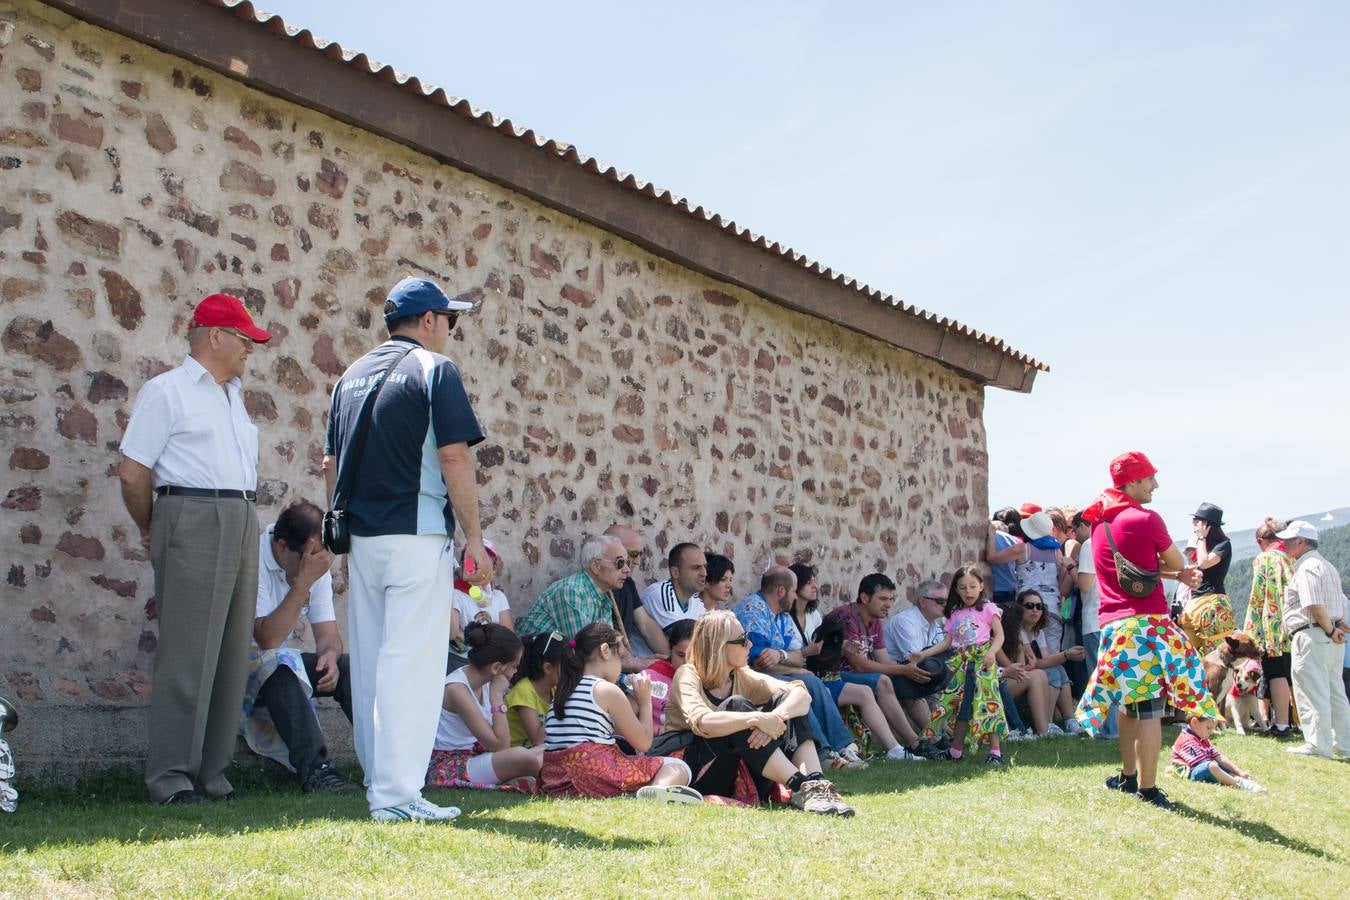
x,y
205,555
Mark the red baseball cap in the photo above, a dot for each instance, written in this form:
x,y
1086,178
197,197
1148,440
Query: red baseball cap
x,y
224,311
1029,509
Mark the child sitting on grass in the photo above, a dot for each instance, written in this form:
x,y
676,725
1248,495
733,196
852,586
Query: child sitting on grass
x,y
1195,758
581,758
532,689
662,672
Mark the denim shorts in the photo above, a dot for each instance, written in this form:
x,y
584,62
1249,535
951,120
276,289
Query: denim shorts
x,y
870,679
1201,772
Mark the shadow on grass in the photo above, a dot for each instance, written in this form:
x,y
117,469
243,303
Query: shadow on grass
x,y
1257,831
549,834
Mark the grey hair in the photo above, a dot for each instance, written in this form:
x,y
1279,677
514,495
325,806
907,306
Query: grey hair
x,y
927,585
1310,542
594,547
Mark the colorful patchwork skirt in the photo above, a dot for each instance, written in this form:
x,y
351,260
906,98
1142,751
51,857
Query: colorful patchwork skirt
x,y
595,770
986,708
450,769
1207,620
1144,658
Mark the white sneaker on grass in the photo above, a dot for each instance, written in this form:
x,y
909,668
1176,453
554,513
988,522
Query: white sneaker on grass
x,y
674,793
1247,784
419,810
1307,750
1054,731
1073,727
898,752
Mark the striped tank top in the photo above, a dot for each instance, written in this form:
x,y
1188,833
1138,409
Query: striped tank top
x,y
584,721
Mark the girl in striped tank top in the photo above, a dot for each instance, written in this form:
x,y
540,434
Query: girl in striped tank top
x,y
581,758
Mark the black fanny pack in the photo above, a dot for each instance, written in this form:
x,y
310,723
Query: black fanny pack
x,y
1134,580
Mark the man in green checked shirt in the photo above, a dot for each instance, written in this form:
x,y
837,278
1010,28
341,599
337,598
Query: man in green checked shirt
x,y
570,604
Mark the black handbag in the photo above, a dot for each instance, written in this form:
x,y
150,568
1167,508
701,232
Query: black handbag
x,y
1134,580
337,535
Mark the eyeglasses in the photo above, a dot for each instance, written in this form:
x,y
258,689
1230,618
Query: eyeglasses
x,y
619,562
239,334
548,642
741,641
935,599
1033,606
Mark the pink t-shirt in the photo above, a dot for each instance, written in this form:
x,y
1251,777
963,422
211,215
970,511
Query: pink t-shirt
x,y
970,627
1140,536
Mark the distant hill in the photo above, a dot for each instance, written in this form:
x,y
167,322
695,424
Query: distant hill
x,y
1334,543
1244,542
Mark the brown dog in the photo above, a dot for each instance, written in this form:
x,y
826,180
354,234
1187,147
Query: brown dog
x,y
1218,664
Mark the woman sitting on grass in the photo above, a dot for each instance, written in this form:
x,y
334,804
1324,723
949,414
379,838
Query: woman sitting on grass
x,y
580,755
733,714
532,688
473,739
972,698
1034,652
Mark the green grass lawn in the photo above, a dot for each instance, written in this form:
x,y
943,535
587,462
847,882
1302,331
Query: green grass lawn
x,y
1044,826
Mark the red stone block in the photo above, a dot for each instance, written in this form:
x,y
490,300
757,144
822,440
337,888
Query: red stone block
x,y
100,238
80,546
29,458
78,424
77,130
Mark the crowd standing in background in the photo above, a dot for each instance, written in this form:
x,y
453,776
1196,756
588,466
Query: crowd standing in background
x,y
676,691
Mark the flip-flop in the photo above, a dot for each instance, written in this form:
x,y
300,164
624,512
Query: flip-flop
x,y
675,793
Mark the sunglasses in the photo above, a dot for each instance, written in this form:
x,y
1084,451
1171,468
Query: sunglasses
x,y
935,599
620,562
1040,606
741,641
450,317
548,642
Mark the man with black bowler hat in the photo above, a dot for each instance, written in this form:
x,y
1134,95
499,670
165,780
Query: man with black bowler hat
x,y
189,473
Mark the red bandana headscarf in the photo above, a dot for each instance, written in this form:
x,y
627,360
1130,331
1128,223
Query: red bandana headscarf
x,y
1126,467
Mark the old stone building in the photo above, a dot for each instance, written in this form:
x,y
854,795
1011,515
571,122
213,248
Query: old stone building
x,y
631,358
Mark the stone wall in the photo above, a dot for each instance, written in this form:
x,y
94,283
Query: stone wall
x,y
613,384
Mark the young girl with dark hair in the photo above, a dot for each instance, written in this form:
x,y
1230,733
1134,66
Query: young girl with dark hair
x,y
972,698
473,740
662,671
532,687
581,758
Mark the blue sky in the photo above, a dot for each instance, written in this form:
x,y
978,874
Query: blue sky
x,y
1150,197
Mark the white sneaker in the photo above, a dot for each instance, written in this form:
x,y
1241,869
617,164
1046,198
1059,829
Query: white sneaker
x,y
1247,784
1306,750
899,753
1054,731
1073,727
417,811
851,754
675,793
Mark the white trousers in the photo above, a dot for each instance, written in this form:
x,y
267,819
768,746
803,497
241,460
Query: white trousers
x,y
398,621
1323,710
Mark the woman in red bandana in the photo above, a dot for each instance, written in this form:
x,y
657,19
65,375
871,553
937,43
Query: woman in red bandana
x,y
1145,662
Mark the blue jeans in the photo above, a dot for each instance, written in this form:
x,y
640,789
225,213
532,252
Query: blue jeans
x,y
1091,645
826,722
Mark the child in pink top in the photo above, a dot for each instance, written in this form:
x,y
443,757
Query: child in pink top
x,y
971,703
662,672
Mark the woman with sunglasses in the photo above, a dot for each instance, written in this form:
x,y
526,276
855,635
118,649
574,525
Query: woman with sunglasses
x,y
733,714
1035,652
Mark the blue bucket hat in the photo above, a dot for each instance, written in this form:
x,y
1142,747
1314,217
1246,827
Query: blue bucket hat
x,y
414,296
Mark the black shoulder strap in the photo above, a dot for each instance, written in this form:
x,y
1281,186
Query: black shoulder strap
x,y
351,460
1109,539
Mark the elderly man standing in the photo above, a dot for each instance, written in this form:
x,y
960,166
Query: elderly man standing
x,y
413,482
189,473
1315,620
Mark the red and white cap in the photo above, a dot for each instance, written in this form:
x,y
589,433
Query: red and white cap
x,y
224,311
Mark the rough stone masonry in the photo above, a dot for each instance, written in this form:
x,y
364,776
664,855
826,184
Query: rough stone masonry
x,y
613,384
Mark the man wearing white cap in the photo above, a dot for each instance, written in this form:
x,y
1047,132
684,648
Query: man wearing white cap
x,y
412,478
1315,620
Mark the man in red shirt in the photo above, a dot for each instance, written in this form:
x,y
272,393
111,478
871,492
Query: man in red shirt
x,y
1145,662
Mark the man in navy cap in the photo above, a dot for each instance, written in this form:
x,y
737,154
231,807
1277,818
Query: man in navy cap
x,y
413,479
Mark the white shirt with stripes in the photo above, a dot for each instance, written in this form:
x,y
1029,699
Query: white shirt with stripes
x,y
583,720
1315,583
663,605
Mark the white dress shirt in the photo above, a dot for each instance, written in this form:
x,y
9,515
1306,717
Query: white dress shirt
x,y
909,632
191,433
273,588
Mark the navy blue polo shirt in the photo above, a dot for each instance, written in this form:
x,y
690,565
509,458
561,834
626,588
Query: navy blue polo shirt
x,y
398,488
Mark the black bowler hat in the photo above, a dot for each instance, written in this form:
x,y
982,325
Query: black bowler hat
x,y
1210,513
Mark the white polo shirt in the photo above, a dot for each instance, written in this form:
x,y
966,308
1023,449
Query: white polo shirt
x,y
273,588
191,433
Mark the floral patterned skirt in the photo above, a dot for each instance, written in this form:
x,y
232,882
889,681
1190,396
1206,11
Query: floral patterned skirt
x,y
595,770
449,769
986,719
1144,658
1207,620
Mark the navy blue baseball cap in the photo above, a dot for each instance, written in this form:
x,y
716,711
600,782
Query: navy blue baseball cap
x,y
414,296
